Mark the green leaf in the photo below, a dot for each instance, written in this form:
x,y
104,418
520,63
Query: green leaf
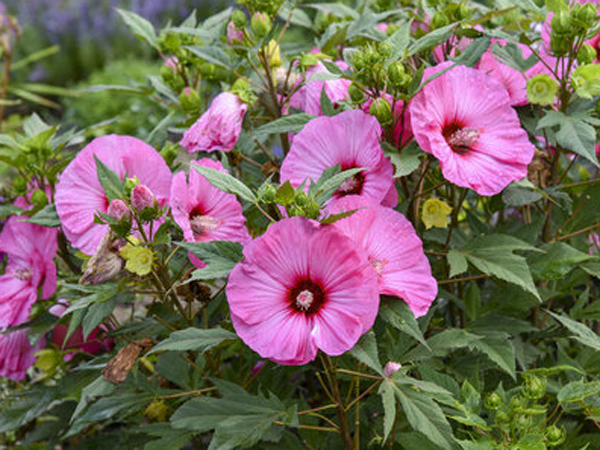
x,y
330,185
219,256
405,162
226,182
458,262
288,124
95,314
46,217
399,40
581,333
557,262
398,314
499,348
431,39
472,54
35,126
550,371
576,391
388,399
100,387
425,416
212,54
196,339
140,27
556,5
521,193
113,186
335,9
326,104
366,352
575,133
333,218
285,194
493,254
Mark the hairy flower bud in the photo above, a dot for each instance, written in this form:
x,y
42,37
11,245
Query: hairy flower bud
x,y
382,110
542,89
586,54
117,209
534,388
391,368
268,193
142,198
555,436
157,411
261,24
301,200
356,93
234,34
239,18
587,14
397,75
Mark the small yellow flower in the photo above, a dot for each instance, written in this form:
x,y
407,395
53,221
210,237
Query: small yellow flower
x,y
138,259
273,53
436,213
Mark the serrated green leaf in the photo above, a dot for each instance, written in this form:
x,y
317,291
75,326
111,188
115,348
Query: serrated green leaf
x,y
398,314
366,352
399,40
140,27
196,339
226,182
458,263
285,194
431,39
110,181
212,54
388,399
557,261
46,217
405,162
581,333
498,348
288,124
577,390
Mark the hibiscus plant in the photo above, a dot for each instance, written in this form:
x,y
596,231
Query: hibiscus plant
x,y
361,224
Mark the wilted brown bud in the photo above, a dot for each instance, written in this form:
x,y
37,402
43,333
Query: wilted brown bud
x,y
120,365
106,263
540,169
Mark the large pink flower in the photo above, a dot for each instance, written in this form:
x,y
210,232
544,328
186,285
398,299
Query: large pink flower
x,y
16,354
31,250
465,120
350,139
393,249
79,194
308,97
302,287
219,127
204,212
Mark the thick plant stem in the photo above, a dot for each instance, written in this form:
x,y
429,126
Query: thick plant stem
x,y
341,411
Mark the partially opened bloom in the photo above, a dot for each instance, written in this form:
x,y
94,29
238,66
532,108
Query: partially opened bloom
x,y
79,194
302,287
350,139
393,249
308,97
219,127
204,212
16,354
465,119
31,250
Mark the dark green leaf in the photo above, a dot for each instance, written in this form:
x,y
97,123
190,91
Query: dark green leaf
x,y
140,27
110,181
288,124
46,217
226,182
196,339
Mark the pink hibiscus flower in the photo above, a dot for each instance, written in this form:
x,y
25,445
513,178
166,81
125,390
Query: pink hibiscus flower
x,y
204,212
302,287
393,248
79,194
308,97
219,127
16,354
350,139
465,120
31,250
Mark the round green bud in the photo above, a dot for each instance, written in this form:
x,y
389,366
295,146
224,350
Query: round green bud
x,y
261,24
382,110
534,388
542,89
385,50
462,12
518,402
587,14
561,44
502,418
397,74
268,194
312,210
561,23
167,74
555,436
20,185
493,402
371,57
301,200
38,198
522,422
439,20
169,152
586,54
239,19
189,99
356,93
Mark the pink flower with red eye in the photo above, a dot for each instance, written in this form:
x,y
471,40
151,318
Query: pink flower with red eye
x,y
31,250
465,120
302,287
218,128
350,139
204,212
308,97
393,249
16,354
79,194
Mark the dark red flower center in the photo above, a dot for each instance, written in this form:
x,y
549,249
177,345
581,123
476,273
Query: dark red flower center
x,y
307,297
460,139
352,186
202,224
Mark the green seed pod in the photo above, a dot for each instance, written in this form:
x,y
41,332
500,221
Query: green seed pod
x,y
261,25
542,89
301,200
587,14
561,23
555,436
382,110
20,185
269,193
38,198
385,50
586,54
561,44
502,418
239,19
493,402
535,388
312,210
439,20
356,93
397,74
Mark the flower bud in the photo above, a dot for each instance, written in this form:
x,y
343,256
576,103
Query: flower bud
x,y
20,185
542,89
397,74
269,193
117,209
142,198
534,388
555,436
517,403
385,50
39,198
462,11
382,110
493,402
502,418
261,24
439,20
189,99
561,44
301,200
391,368
167,74
586,54
234,34
157,411
239,18
356,93
587,14
358,60
312,210
273,53
561,22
